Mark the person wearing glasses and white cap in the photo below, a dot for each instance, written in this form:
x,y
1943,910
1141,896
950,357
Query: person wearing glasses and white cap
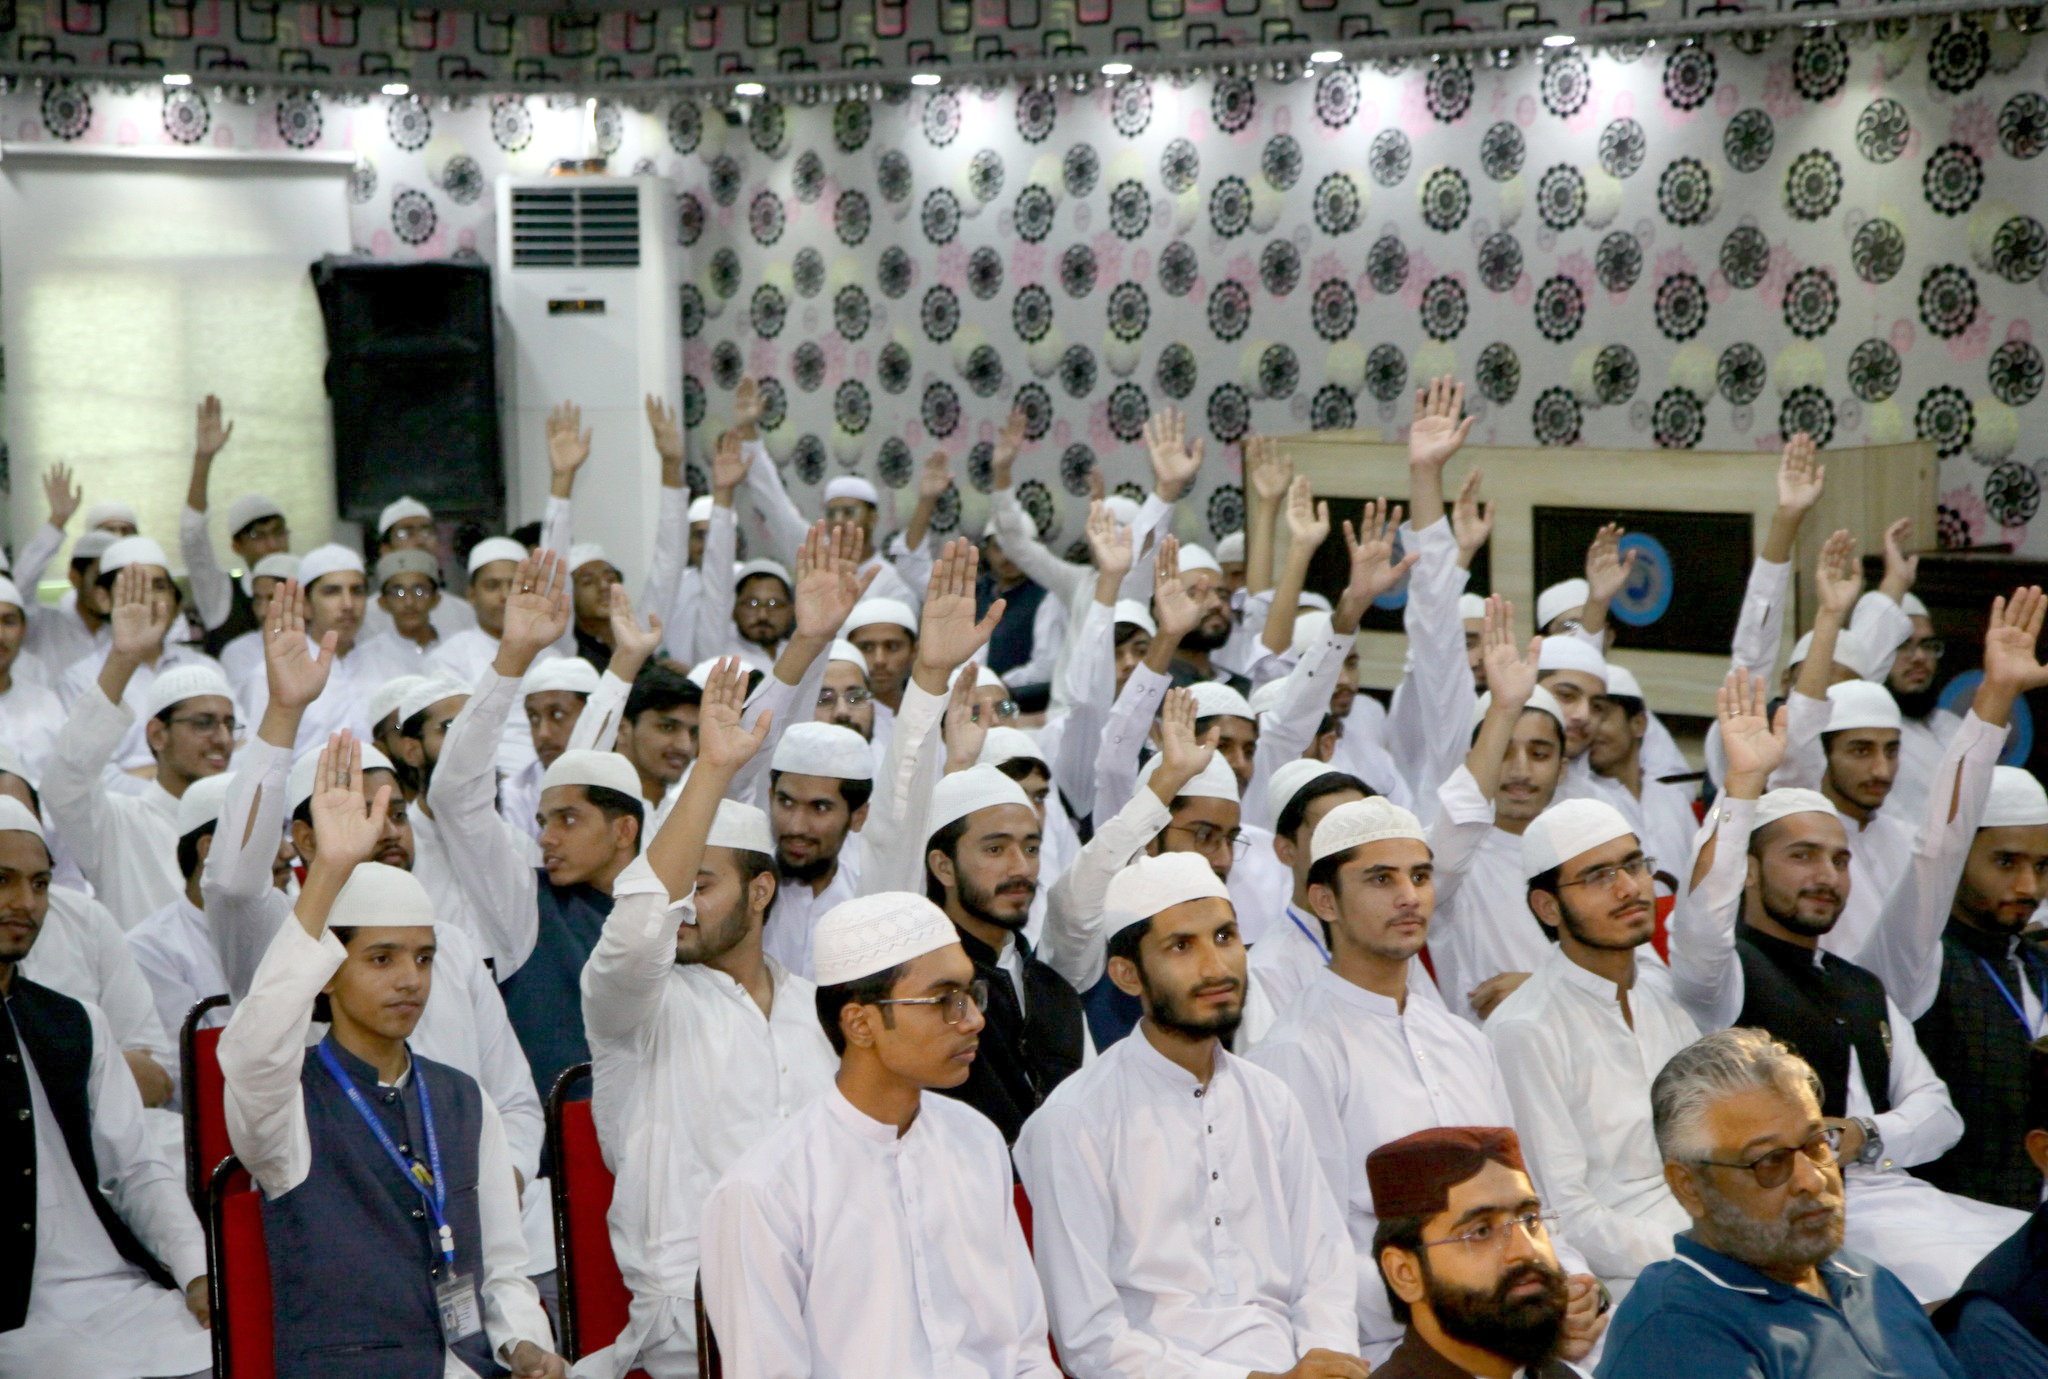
x,y
1914,664
701,1043
31,714
1769,883
256,526
406,589
407,524
390,1201
1148,1271
1579,1042
844,698
1369,1060
879,1221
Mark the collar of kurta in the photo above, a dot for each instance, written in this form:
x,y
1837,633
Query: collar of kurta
x,y
1592,983
864,1126
1158,1065
1794,958
1353,994
981,955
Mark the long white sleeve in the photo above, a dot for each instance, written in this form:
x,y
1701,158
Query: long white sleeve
x,y
143,1187
73,796
35,557
777,510
213,594
1760,625
671,555
1062,581
635,956
1806,718
1155,519
1074,943
597,727
1706,971
1428,722
895,833
1287,729
715,632
511,1304
1088,687
787,704
262,1052
463,797
241,916
1130,723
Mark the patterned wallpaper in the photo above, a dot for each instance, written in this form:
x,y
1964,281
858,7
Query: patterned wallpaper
x,y
1696,246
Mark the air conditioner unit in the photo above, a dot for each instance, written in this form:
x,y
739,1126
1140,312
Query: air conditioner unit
x,y
587,290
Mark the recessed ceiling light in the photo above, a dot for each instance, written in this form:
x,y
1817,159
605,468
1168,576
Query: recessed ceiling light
x,y
1116,69
1326,55
1559,41
749,88
396,88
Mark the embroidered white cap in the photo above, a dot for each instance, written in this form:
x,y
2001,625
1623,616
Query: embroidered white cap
x,y
2016,800
326,560
852,486
131,550
1540,699
873,933
495,548
567,674
1374,819
180,683
1216,781
1561,598
1197,558
385,699
430,690
16,817
93,544
9,593
588,552
1851,652
1780,804
824,749
1214,699
399,510
251,507
875,612
111,510
1150,885
606,770
377,896
1230,550
1137,614
843,650
299,785
203,801
1862,704
749,568
1567,829
1291,778
278,565
1470,606
965,792
700,509
1571,653
1622,682
741,827
1009,744
407,560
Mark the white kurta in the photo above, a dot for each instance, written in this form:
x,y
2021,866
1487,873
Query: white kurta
x,y
688,1076
786,936
1482,925
1579,1078
92,1314
1283,964
82,681
126,844
1921,744
31,716
82,952
839,1248
1183,1230
344,701
175,952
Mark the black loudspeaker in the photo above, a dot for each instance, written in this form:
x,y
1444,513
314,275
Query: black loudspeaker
x,y
412,376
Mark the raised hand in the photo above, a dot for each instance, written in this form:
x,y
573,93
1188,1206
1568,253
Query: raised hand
x,y
632,644
729,466
1182,756
1755,746
948,632
139,620
934,477
1175,611
1510,672
537,611
63,495
1901,567
964,731
668,439
1437,433
346,824
828,580
568,442
208,434
1800,480
294,673
2012,642
1607,568
1174,461
1838,578
1109,542
1267,470
723,745
747,406
1009,444
1471,520
1308,521
1374,571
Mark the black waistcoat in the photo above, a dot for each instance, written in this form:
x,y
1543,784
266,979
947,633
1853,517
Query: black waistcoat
x,y
544,998
1010,645
1024,1053
2015,1276
241,618
57,1034
1821,1011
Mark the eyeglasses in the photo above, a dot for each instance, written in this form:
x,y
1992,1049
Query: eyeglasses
x,y
1933,647
1493,1235
1208,837
206,724
1775,1168
767,605
854,698
952,1005
402,593
1603,878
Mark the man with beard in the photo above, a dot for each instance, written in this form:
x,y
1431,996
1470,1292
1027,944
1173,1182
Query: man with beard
x,y
1662,811
1580,1040
1769,883
1894,628
745,610
819,783
1202,578
701,1044
1464,1253
844,698
1371,1061
1762,1285
1152,1272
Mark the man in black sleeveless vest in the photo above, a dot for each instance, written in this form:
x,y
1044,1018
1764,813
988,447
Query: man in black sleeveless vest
x,y
104,1270
390,1207
1997,1323
1769,883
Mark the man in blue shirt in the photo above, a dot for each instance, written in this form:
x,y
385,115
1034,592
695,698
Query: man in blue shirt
x,y
1761,1287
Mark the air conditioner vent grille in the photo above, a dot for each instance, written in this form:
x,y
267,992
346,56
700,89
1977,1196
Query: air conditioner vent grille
x,y
575,227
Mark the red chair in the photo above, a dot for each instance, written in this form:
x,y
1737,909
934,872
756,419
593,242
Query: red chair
x,y
595,1299
238,1269
202,1098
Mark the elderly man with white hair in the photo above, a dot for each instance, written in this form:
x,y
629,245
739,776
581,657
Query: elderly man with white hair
x,y
1769,882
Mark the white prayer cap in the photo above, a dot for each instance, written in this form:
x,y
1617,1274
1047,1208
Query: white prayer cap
x,y
11,594
180,683
852,486
824,749
700,674
1561,598
109,511
1571,653
843,650
298,787
93,544
1267,696
1622,682
569,674
1124,510
963,792
2016,801
430,690
1311,599
251,507
377,896
1540,699
1354,824
399,510
748,569
1779,804
741,827
700,509
873,612
1135,613
607,770
984,678
1009,744
1213,698
1470,606
858,938
1861,704
495,548
1195,558
326,560
384,702
16,817
276,565
1150,885
407,560
1230,550
1216,782
1850,651
1910,605
1567,829
1310,627
133,550
203,801
588,552
1291,778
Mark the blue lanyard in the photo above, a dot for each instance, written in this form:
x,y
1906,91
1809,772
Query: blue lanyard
x,y
1309,934
2003,990
437,1197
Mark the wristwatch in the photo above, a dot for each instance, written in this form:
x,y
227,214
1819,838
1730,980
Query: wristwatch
x,y
1873,1140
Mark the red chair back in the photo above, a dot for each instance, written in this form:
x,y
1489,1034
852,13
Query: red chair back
x,y
595,1299
238,1276
203,1098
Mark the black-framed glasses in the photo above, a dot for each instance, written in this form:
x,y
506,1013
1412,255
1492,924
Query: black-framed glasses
x,y
1494,1235
1774,1169
952,1006
770,605
206,724
1208,837
400,593
1603,878
853,698
1933,647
